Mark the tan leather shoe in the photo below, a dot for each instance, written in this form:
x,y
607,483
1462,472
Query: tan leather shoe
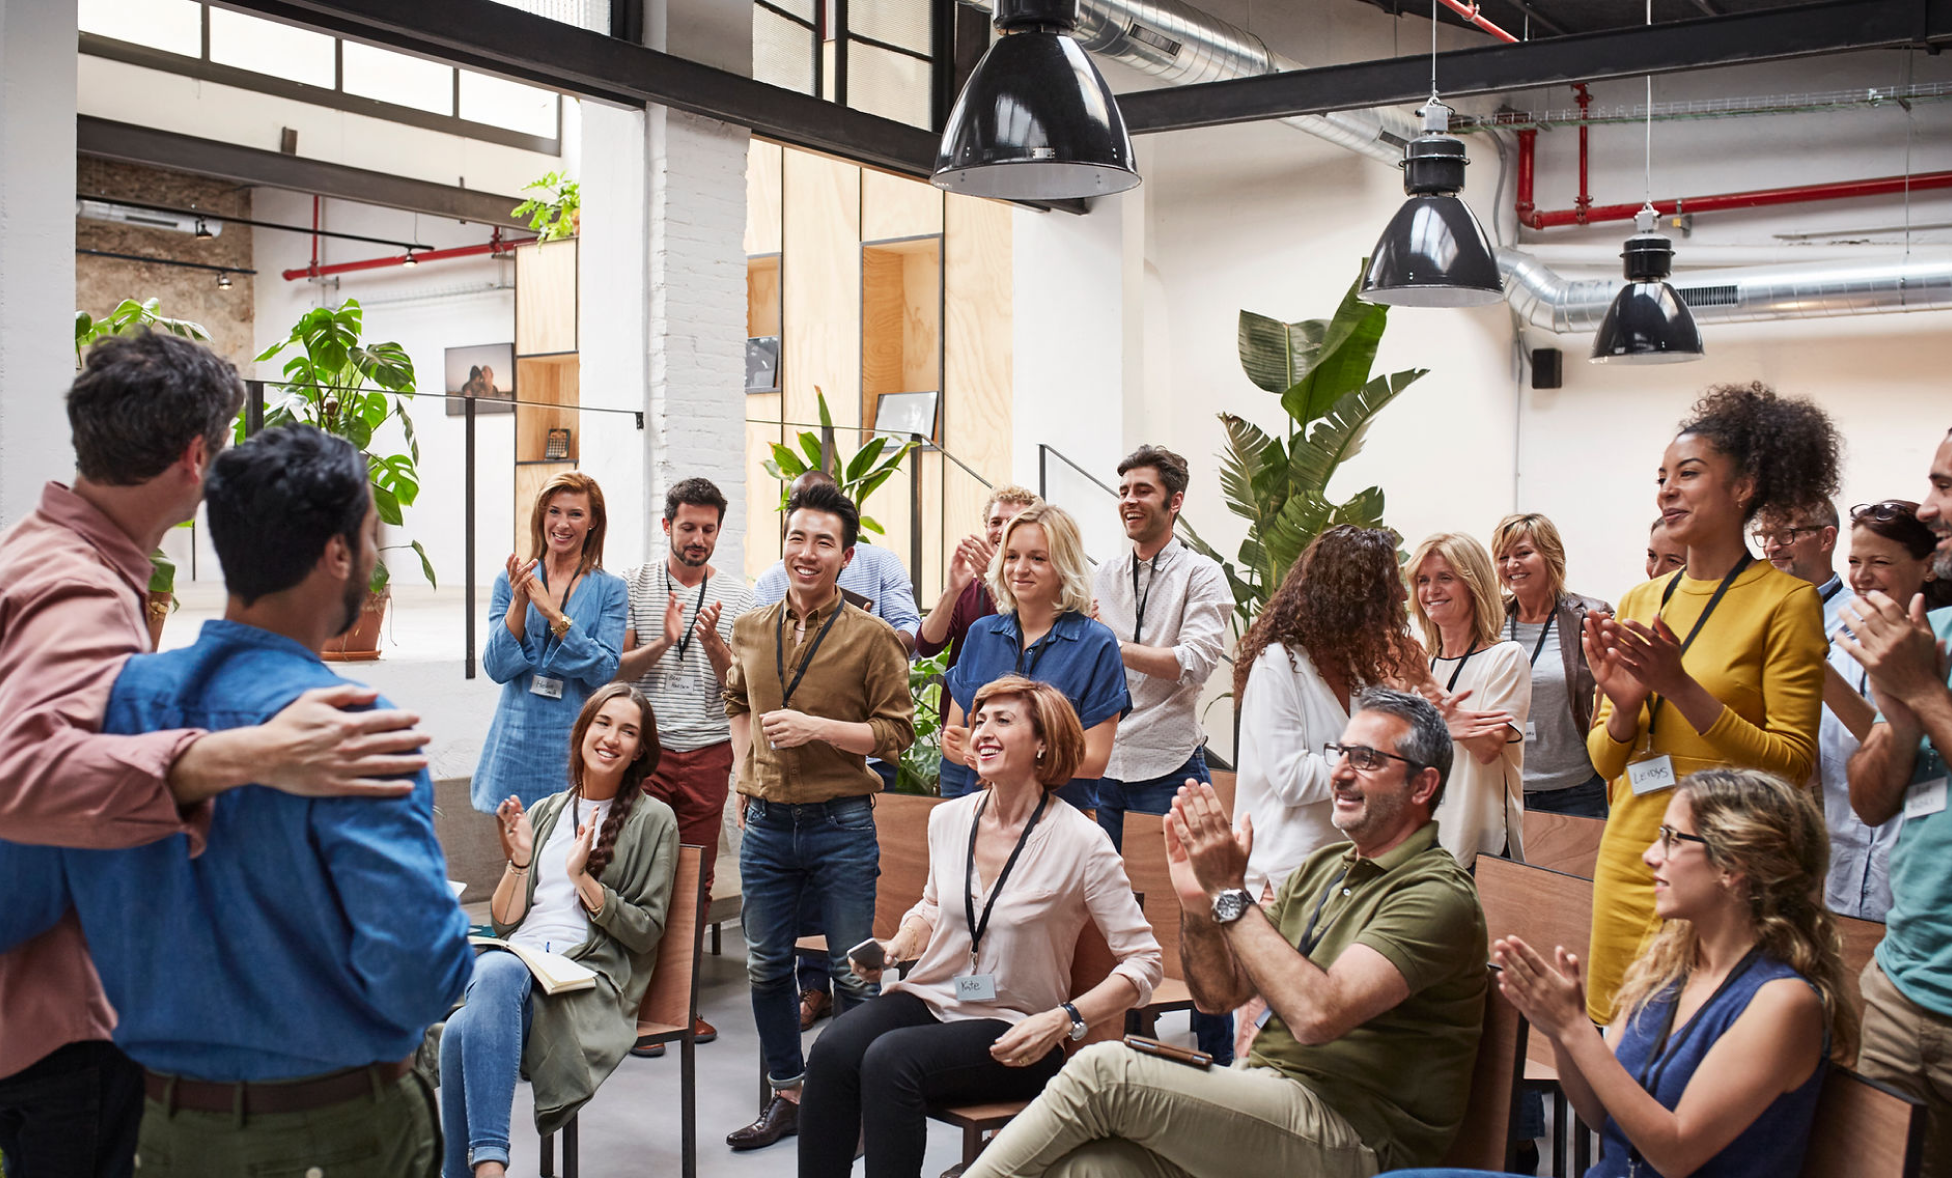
x,y
814,1006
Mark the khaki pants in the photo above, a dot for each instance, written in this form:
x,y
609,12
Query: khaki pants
x,y
1910,1048
1115,1111
393,1133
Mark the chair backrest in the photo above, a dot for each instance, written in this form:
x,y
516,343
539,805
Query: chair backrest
x,y
1864,1130
1563,842
1091,963
901,827
1145,866
1223,785
1860,939
467,838
1484,1141
1545,908
672,998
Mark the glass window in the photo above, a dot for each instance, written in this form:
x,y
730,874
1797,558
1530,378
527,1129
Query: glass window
x,y
267,47
173,26
892,85
509,105
372,72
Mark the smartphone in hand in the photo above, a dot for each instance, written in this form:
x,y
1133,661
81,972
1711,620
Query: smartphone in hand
x,y
869,955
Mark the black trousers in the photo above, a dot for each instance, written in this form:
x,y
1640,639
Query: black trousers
x,y
879,1067
73,1114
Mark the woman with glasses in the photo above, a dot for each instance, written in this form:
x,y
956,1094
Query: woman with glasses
x,y
1545,618
1720,664
1890,553
1728,1018
1479,681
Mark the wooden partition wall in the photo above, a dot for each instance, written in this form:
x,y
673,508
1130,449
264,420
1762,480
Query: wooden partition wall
x,y
878,284
548,372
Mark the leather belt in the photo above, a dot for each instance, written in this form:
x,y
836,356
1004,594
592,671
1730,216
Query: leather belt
x,y
204,1096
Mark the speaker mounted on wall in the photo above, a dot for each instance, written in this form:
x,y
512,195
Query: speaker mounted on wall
x,y
1548,368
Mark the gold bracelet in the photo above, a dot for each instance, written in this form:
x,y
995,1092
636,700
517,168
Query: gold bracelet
x,y
561,626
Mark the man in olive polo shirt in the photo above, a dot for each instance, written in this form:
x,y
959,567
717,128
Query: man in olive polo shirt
x,y
1364,1061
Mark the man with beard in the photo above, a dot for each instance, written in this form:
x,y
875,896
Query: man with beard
x,y
677,653
1901,768
1364,1060
274,988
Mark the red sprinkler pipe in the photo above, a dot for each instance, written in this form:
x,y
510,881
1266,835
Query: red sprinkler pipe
x,y
1470,13
494,245
1760,198
1528,144
1584,200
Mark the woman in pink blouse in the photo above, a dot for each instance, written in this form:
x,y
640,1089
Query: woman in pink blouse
x,y
1014,874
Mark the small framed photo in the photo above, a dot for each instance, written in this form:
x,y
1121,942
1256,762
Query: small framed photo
x,y
484,373
901,416
762,364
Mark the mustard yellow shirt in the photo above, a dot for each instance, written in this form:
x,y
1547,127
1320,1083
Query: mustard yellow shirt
x,y
1761,654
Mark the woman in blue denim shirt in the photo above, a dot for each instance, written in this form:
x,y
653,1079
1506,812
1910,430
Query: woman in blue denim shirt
x,y
561,632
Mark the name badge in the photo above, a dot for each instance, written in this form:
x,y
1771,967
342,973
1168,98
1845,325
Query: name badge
x,y
1531,731
1260,1020
1925,798
545,687
1651,775
976,987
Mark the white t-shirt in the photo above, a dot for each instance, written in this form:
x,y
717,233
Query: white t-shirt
x,y
1483,809
556,921
1287,714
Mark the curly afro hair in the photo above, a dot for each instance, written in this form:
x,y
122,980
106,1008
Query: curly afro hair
x,y
1786,445
1344,603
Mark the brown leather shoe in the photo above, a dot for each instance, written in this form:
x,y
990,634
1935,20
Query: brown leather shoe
x,y
703,1032
781,1119
814,1006
647,1048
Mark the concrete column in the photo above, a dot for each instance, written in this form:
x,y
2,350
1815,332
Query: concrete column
x,y
37,241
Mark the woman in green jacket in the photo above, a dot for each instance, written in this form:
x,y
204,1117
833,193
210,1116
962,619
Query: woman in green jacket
x,y
589,877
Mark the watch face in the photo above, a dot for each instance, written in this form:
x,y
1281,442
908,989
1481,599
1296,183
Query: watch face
x,y
1228,906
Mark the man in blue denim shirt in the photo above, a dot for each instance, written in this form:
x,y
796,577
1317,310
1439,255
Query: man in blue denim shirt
x,y
274,988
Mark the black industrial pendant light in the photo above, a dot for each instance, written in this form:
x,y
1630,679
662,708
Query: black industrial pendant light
x,y
1433,253
1036,120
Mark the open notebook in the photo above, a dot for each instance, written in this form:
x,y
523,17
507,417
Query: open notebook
x,y
555,973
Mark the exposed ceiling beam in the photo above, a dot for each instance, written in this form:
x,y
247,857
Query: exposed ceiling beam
x,y
1804,31
130,144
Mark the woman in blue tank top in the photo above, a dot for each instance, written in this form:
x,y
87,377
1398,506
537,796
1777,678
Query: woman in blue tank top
x,y
1725,1023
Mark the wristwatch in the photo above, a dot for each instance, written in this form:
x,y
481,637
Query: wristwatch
x,y
1231,905
561,626
1077,1021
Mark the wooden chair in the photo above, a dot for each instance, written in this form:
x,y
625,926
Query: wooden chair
x,y
1864,1130
1485,1140
468,839
1563,842
727,900
1223,785
1860,939
1145,866
1091,964
669,1012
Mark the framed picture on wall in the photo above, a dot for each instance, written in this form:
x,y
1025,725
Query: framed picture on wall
x,y
484,372
762,364
900,416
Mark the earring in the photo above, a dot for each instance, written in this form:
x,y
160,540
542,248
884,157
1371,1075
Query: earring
x,y
1040,754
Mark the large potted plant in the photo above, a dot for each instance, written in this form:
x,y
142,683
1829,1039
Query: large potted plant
x,y
344,386
859,475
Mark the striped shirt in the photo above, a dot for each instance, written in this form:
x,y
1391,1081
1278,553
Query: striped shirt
x,y
682,689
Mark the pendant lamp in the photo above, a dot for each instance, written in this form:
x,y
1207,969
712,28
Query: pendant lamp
x,y
1433,253
1036,120
1647,323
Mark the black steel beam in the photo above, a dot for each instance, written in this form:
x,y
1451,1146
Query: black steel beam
x,y
1808,30
130,144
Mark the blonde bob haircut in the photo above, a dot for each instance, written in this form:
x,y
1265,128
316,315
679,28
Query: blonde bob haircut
x,y
1067,557
1530,525
1473,567
1053,719
574,482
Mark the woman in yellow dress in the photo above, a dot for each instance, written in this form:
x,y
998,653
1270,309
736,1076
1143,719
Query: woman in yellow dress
x,y
1719,664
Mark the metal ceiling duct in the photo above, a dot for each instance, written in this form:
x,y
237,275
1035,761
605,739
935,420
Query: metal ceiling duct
x,y
1181,45
1796,291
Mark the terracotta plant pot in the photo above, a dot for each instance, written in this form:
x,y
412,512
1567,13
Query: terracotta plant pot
x,y
156,612
361,643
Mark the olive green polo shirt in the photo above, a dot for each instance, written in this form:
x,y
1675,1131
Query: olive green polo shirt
x,y
1402,1078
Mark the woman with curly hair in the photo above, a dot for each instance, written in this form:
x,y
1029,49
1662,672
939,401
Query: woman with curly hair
x,y
1720,664
1336,625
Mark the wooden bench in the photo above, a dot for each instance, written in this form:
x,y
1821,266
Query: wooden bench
x,y
1563,842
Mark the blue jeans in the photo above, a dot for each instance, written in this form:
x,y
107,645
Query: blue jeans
x,y
1585,800
481,1058
826,850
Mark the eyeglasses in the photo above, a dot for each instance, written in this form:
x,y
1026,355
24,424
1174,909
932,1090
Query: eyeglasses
x,y
1885,512
1367,759
1780,536
1669,836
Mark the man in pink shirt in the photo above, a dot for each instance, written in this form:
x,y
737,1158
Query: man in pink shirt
x,y
149,413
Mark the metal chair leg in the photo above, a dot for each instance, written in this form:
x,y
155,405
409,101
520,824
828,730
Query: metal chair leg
x,y
569,1149
688,1098
548,1155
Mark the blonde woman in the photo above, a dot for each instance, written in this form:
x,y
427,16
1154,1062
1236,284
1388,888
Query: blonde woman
x,y
1043,631
1545,619
1480,683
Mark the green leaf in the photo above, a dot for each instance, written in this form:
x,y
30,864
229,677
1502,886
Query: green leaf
x,y
863,459
810,445
1342,364
788,465
1277,354
387,505
162,573
426,565
1339,435
868,525
826,418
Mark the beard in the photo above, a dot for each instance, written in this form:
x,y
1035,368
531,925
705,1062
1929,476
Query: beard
x,y
686,558
353,602
1942,561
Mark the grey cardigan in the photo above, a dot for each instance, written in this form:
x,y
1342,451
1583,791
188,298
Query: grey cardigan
x,y
1581,689
577,1039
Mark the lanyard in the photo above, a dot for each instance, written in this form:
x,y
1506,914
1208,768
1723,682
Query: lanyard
x,y
1034,653
1656,1055
976,930
684,639
1836,587
1138,625
1673,583
786,690
1452,685
1309,938
1543,631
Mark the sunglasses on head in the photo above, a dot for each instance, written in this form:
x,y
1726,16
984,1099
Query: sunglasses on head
x,y
1885,512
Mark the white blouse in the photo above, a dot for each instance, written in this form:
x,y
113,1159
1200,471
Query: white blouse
x,y
1287,713
1483,808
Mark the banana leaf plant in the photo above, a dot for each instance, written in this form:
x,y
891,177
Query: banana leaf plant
x,y
1278,482
349,388
859,475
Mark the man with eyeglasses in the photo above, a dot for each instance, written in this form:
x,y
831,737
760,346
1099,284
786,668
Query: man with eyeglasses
x,y
1803,543
1372,962
1901,769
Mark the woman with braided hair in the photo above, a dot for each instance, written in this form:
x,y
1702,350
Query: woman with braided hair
x,y
589,877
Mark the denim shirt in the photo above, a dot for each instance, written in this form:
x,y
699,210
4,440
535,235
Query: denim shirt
x,y
527,749
312,934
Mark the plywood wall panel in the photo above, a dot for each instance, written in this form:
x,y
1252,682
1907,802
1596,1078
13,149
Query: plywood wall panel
x,y
896,206
762,489
556,381
977,370
763,197
545,298
820,285
762,295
